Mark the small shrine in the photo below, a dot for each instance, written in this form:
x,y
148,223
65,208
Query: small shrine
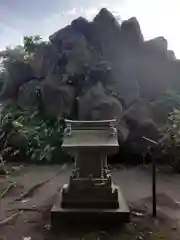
x,y
90,191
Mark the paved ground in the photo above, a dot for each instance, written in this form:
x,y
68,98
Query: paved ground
x,y
37,187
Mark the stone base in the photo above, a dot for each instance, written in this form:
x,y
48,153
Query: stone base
x,y
102,217
101,197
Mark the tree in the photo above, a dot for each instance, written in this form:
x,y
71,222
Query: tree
x,y
170,98
21,64
31,43
9,59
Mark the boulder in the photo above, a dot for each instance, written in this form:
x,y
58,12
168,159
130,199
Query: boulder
x,y
106,34
127,61
19,72
156,74
159,44
72,45
44,58
28,95
79,56
114,41
100,72
58,99
84,27
131,33
95,104
127,86
139,111
140,122
59,38
171,55
135,144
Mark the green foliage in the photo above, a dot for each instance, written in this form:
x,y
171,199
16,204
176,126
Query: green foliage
x,y
44,137
11,55
170,98
171,142
19,53
12,60
8,59
30,43
20,62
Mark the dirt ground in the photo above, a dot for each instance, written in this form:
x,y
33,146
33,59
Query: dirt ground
x,y
24,209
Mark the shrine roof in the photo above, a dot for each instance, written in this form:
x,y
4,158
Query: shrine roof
x,y
94,134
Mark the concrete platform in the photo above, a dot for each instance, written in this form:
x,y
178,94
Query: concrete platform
x,y
101,217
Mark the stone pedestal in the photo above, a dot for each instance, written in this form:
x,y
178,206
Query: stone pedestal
x,y
90,190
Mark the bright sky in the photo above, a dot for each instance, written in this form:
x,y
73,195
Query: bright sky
x,y
43,17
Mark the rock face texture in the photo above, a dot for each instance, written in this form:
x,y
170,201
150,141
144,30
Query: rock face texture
x,y
101,70
58,100
28,95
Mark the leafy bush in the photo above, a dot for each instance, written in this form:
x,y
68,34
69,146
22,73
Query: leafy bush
x,y
44,137
30,43
171,142
170,98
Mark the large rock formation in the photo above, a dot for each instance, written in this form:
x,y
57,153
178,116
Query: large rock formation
x,y
101,70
